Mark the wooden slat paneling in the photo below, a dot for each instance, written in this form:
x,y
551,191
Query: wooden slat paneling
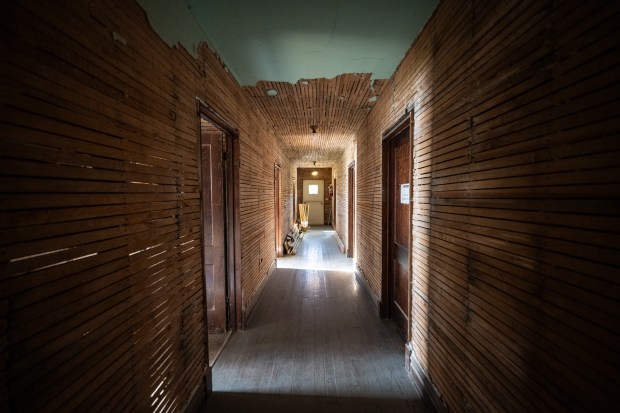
x,y
101,291
515,217
342,193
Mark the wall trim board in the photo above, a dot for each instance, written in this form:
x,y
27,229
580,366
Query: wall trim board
x,y
341,245
208,380
197,400
419,377
210,112
397,126
375,301
253,301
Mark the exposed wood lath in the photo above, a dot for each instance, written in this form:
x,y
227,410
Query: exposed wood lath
x,y
101,281
336,106
516,170
340,174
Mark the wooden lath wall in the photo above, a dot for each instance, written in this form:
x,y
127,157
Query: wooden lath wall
x,y
341,169
368,220
336,106
101,297
515,220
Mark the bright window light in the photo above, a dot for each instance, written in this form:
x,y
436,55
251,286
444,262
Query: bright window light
x,y
313,189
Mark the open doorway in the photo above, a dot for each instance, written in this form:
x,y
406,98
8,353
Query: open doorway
x,y
317,197
220,229
397,189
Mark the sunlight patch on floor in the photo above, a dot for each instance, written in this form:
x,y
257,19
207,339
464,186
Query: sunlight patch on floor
x,y
319,251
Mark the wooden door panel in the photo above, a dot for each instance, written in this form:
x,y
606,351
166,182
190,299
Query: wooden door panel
x,y
401,277
399,303
210,282
316,212
399,230
277,177
334,210
351,213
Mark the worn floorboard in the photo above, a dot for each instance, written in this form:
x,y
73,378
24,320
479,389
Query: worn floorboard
x,y
314,344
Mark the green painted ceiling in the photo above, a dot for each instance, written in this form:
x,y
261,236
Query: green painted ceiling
x,y
288,40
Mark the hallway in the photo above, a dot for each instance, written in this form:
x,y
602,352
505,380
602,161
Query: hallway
x,y
314,344
154,156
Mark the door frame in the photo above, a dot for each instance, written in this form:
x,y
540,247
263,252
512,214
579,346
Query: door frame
x,y
277,206
386,248
351,211
233,228
294,208
333,214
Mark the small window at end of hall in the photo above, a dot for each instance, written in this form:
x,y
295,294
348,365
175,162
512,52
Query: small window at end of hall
x,y
313,189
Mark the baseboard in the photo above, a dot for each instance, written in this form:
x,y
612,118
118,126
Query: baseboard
x,y
375,301
419,376
341,245
208,379
249,309
198,399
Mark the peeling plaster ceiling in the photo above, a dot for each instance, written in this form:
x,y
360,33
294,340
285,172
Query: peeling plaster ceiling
x,y
301,63
288,40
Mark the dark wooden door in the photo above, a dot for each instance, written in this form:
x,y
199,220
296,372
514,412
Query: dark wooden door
x,y
399,217
277,187
214,225
334,210
351,213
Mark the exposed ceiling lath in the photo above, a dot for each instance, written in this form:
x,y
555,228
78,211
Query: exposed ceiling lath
x,y
337,107
321,62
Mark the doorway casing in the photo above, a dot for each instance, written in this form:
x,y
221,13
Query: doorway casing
x,y
277,191
388,196
351,211
232,217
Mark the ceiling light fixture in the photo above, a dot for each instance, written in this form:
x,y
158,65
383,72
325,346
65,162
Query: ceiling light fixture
x,y
314,144
315,173
271,92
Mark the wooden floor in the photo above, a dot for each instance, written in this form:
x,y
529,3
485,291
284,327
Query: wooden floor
x,y
314,344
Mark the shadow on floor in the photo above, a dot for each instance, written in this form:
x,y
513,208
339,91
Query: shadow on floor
x,y
276,403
